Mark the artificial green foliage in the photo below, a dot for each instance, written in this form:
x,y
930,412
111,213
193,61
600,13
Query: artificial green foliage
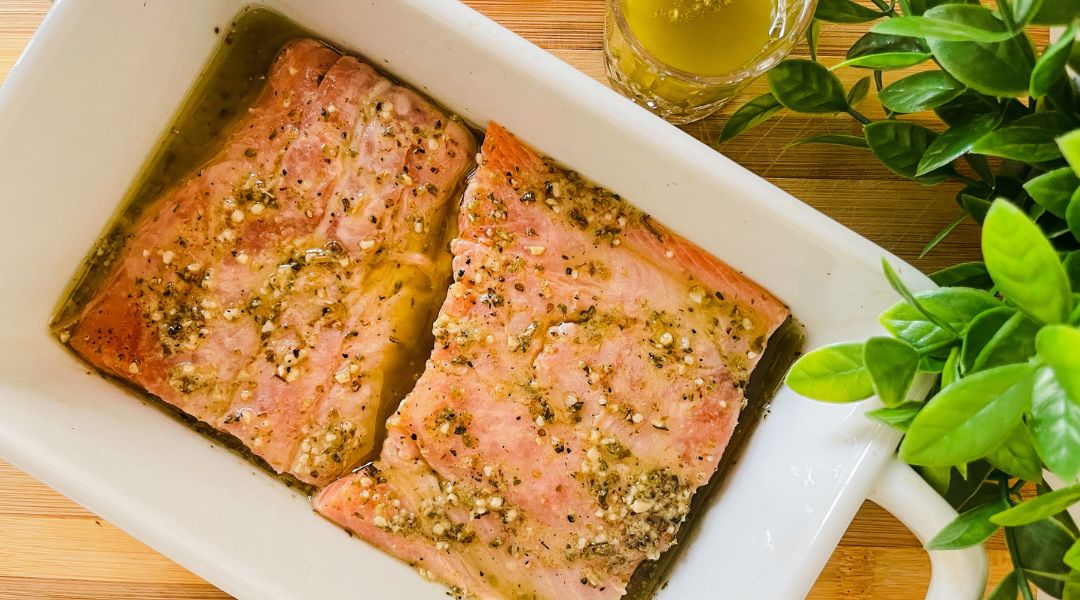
x,y
1000,342
1009,111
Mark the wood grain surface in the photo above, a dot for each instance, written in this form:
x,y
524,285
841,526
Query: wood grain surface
x,y
52,548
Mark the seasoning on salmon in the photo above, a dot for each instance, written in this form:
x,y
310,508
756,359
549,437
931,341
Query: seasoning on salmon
x,y
588,372
275,292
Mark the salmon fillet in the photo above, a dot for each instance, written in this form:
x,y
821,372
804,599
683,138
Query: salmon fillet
x,y
588,372
275,293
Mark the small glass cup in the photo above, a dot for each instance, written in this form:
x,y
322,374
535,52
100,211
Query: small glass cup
x,y
680,96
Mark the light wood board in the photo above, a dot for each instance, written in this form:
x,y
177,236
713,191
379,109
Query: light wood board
x,y
52,548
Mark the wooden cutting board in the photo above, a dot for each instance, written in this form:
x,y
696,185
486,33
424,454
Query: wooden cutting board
x,y
52,548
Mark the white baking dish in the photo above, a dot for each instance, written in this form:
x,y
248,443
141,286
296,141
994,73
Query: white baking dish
x,y
85,106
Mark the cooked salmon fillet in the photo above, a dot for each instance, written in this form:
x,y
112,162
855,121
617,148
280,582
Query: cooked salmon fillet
x,y
588,372
277,292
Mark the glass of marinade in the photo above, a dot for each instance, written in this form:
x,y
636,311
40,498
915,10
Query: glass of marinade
x,y
683,59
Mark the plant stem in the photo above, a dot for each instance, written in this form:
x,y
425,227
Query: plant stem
x,y
1021,577
879,81
884,7
1014,554
857,116
1006,15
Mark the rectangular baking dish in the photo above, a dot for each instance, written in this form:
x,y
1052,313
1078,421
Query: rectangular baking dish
x,y
87,103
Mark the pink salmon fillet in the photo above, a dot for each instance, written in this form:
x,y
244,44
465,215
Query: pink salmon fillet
x,y
588,372
275,293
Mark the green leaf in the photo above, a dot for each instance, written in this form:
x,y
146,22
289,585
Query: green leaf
x,y
1072,215
886,61
1074,58
980,331
1041,546
1052,226
833,373
880,51
1055,425
968,529
1047,119
1001,68
898,285
1072,557
1056,12
968,419
950,145
1017,455
1006,589
897,417
806,86
939,478
919,7
950,23
955,306
839,140
858,92
975,206
1072,267
1052,190
1070,149
951,371
1071,591
982,168
932,364
879,43
1013,343
892,365
970,274
966,107
1051,65
921,91
1071,582
941,235
1038,508
900,145
972,490
1023,11
1027,144
845,11
1059,347
1024,265
813,34
750,115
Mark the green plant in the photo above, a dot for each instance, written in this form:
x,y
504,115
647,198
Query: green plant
x,y
1001,102
1003,359
998,343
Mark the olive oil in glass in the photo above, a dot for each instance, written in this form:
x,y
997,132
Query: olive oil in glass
x,y
704,37
683,59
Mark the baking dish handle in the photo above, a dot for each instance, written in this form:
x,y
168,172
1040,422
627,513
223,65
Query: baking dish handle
x,y
954,574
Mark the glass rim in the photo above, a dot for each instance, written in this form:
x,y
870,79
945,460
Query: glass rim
x,y
759,66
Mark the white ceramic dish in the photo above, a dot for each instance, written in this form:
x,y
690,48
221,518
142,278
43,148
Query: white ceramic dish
x,y
87,102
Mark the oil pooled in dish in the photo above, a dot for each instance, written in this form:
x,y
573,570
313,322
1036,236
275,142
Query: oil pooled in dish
x,y
277,292
589,371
